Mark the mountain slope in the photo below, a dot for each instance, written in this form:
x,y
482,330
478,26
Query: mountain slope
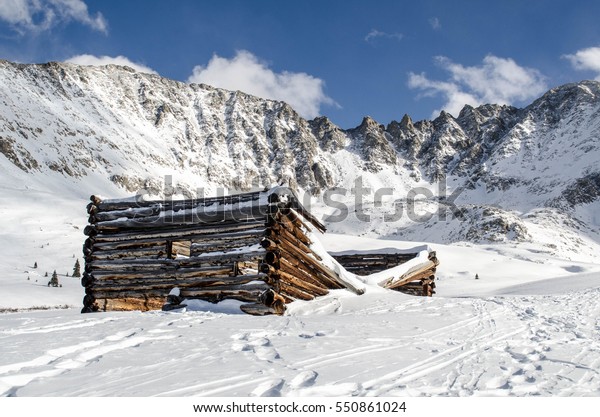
x,y
493,174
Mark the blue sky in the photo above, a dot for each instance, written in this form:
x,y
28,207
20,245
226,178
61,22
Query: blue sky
x,y
342,59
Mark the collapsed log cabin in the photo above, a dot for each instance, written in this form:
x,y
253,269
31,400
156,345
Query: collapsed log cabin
x,y
417,278
255,247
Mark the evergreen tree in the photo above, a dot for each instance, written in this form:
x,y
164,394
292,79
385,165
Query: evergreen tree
x,y
77,269
46,274
54,280
35,265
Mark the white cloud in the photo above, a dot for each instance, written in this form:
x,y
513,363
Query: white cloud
x,y
40,15
105,60
374,34
245,72
586,59
496,80
435,23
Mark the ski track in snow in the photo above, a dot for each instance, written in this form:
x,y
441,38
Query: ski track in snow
x,y
500,346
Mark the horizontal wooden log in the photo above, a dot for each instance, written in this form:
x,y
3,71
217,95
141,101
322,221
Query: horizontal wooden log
x,y
250,292
373,260
183,218
167,283
157,274
223,245
155,252
130,304
183,204
196,261
253,233
130,213
259,309
191,231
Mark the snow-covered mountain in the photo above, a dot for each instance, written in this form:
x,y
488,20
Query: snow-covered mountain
x,y
528,175
508,194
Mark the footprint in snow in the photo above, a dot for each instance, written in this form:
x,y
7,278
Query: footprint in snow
x,y
271,388
304,379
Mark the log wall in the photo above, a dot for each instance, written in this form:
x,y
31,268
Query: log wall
x,y
251,247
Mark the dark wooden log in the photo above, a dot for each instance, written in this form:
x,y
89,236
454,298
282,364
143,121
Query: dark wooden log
x,y
259,309
90,230
184,204
130,213
154,252
197,261
156,274
167,283
108,244
182,219
269,245
274,300
223,245
183,232
249,292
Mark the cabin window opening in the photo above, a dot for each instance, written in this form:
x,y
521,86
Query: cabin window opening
x,y
178,249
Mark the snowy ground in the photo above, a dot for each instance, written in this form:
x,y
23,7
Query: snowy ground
x,y
380,344
500,335
529,326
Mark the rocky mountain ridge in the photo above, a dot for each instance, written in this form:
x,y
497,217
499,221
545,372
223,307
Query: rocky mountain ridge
x,y
120,131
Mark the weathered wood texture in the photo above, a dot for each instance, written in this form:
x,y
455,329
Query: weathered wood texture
x,y
418,280
251,247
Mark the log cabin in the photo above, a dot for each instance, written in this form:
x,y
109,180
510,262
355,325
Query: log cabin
x,y
256,247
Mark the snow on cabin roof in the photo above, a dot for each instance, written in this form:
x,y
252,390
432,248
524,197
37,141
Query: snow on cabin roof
x,y
279,194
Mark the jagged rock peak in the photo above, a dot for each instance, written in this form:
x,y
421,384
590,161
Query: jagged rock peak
x,y
406,122
369,123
